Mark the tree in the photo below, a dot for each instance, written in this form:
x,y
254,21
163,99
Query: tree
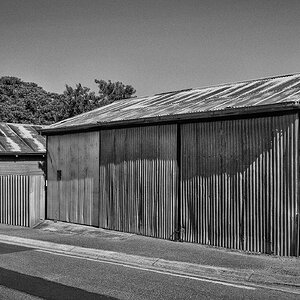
x,y
25,102
74,101
80,99
112,91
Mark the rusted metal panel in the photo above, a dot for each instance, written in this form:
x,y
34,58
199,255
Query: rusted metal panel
x,y
21,138
239,184
138,180
253,93
22,200
73,178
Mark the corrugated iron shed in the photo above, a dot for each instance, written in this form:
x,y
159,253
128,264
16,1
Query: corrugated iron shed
x,y
21,139
276,92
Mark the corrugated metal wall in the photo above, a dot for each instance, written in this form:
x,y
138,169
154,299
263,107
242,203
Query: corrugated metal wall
x,y
36,199
239,183
22,200
75,196
138,180
20,168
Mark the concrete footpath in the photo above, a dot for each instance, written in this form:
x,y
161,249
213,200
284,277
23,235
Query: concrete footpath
x,y
149,253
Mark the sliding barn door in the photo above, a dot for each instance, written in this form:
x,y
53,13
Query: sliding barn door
x,y
239,184
138,180
73,178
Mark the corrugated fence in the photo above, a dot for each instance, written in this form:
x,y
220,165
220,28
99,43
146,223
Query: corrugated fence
x,y
22,200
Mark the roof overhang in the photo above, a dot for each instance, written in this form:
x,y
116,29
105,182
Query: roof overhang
x,y
21,156
228,112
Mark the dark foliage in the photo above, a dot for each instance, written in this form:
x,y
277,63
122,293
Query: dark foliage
x,y
26,102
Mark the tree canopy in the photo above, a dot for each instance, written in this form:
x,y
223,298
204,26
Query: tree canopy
x,y
26,102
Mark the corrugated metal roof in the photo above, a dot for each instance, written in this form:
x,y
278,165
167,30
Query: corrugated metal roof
x,y
253,93
21,138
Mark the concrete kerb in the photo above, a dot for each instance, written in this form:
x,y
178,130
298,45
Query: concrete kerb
x,y
190,269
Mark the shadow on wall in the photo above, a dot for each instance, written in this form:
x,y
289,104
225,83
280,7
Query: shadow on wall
x,y
233,146
143,144
211,148
239,177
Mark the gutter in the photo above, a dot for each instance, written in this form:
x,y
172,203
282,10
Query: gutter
x,y
22,156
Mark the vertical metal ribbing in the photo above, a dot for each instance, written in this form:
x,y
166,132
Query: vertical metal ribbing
x,y
14,199
178,204
139,180
26,203
296,237
250,169
1,200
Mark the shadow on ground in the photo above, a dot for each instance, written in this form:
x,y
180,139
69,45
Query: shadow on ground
x,y
6,248
45,289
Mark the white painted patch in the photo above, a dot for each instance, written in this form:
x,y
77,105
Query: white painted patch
x,y
14,146
262,87
226,91
280,91
25,133
185,97
40,146
134,106
244,86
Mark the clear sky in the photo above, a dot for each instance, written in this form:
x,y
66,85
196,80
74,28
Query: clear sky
x,y
156,46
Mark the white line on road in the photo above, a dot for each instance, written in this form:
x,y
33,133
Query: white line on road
x,y
152,270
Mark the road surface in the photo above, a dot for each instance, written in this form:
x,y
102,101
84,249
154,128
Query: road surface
x,y
34,274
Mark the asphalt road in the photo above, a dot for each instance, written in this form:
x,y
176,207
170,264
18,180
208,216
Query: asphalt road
x,y
34,274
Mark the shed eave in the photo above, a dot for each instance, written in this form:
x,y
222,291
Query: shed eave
x,y
23,154
231,111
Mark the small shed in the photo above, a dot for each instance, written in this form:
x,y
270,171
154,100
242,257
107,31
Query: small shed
x,y
217,165
22,176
